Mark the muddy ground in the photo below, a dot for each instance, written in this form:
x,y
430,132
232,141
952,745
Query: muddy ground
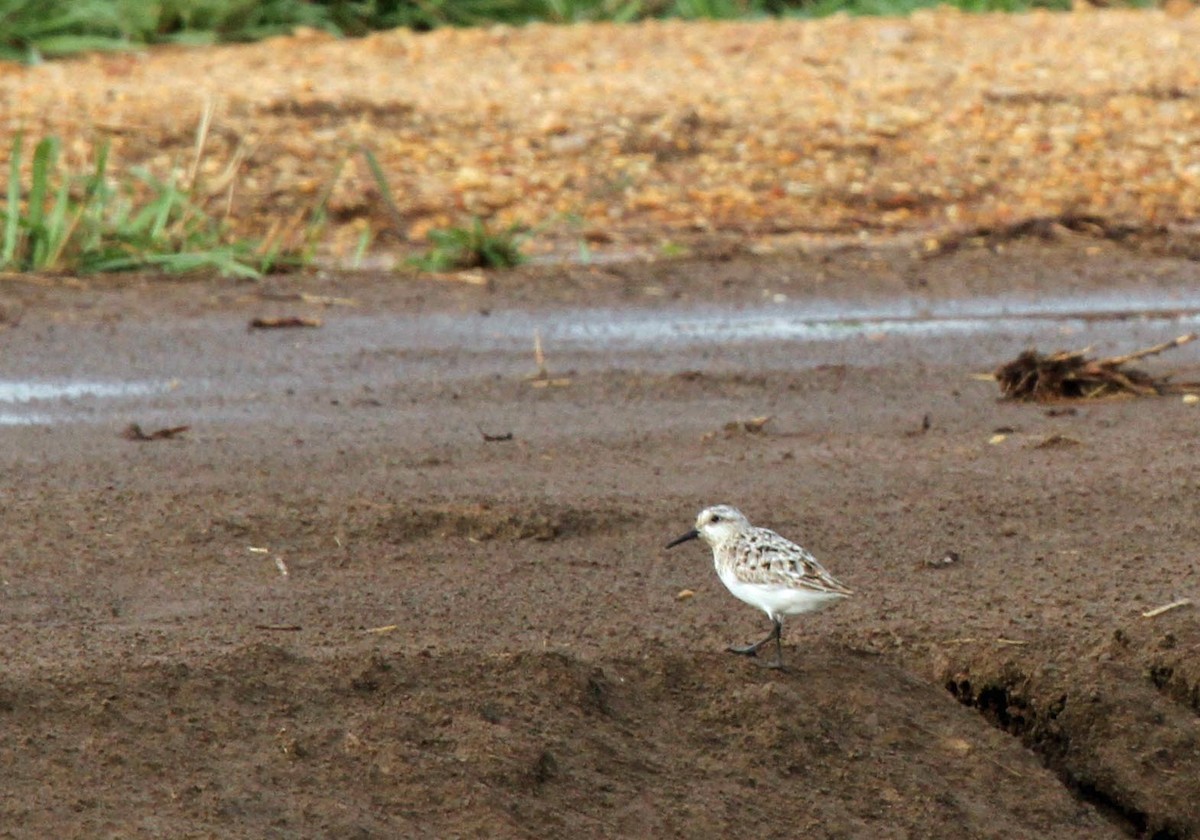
x,y
333,609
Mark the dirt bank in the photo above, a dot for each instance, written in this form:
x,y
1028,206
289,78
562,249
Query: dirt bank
x,y
659,136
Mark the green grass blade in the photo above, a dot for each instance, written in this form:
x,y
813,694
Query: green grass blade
x,y
45,154
384,189
45,158
61,45
225,261
95,190
60,256
629,12
360,251
166,202
57,229
12,205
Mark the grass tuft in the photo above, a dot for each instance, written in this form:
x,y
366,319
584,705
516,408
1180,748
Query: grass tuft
x,y
473,246
88,223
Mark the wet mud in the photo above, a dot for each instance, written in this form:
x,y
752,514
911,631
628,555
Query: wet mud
x,y
400,577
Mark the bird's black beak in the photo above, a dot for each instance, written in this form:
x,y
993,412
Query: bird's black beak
x,y
690,535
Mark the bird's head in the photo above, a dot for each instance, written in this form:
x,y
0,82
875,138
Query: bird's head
x,y
715,525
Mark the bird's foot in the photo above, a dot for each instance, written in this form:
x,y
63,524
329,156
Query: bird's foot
x,y
748,650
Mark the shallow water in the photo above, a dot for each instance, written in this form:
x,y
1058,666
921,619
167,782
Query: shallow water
x,y
202,368
807,321
38,402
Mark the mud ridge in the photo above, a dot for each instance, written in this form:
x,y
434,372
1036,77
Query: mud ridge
x,y
527,744
485,520
406,522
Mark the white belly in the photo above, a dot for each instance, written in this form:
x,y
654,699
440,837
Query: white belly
x,y
778,601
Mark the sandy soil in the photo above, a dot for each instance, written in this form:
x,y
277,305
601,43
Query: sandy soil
x,y
481,638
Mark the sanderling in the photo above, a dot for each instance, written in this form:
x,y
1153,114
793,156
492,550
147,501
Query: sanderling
x,y
764,570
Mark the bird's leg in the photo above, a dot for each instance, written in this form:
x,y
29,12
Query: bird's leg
x,y
752,650
777,633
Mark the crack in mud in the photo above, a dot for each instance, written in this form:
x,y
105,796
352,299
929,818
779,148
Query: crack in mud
x,y
1077,723
1004,706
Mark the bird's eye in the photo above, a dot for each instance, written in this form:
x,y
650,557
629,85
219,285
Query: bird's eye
x,y
715,518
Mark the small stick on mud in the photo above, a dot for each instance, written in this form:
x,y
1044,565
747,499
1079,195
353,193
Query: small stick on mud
x,y
1069,374
542,378
971,640
285,322
1174,605
753,426
134,432
284,628
1117,361
500,438
539,358
926,425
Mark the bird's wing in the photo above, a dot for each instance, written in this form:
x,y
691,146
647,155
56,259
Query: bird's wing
x,y
766,557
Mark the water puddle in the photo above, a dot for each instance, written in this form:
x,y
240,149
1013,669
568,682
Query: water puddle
x,y
364,354
833,321
22,400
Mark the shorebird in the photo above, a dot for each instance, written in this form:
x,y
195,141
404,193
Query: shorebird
x,y
764,570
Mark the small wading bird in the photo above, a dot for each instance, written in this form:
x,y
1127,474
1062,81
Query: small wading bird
x,y
764,570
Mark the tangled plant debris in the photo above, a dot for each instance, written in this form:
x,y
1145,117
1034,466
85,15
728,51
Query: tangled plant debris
x,y
1070,374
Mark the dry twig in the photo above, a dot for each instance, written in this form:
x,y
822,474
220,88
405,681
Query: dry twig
x,y
284,322
1174,605
494,438
134,432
